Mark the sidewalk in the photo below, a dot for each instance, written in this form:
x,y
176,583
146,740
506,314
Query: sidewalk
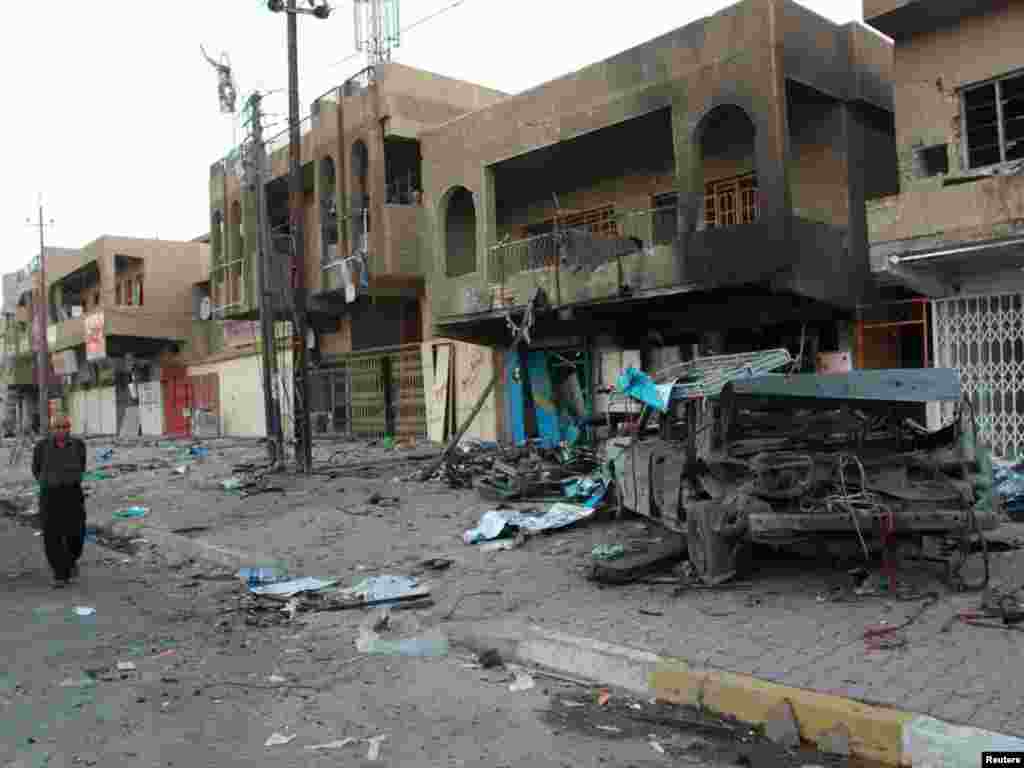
x,y
782,629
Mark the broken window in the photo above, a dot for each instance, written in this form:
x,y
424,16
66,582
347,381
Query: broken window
x,y
933,161
993,121
730,201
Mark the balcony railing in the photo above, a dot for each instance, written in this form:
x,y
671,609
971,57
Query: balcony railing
x,y
632,249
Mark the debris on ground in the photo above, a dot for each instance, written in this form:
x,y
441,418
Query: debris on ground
x,y
293,587
608,552
278,739
131,513
490,659
231,484
373,751
433,643
503,545
84,611
333,744
1009,484
125,666
635,565
496,522
436,563
523,682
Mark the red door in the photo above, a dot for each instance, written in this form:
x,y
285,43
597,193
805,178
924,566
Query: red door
x,y
177,402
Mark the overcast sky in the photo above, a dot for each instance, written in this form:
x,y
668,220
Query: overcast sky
x,y
114,115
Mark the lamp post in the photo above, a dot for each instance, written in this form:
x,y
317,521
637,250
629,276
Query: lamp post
x,y
303,428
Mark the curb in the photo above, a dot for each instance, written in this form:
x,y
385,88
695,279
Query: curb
x,y
182,546
882,734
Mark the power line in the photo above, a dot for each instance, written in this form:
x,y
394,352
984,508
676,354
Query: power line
x,y
415,24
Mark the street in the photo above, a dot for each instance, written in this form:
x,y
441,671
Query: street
x,y
200,685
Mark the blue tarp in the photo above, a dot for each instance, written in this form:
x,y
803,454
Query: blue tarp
x,y
640,386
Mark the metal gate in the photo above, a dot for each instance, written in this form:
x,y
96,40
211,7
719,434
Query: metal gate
x,y
383,393
983,337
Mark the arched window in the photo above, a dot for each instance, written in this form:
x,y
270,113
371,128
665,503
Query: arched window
x,y
459,232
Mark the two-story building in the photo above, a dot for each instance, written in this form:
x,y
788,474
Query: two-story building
x,y
17,373
704,188
121,321
363,225
950,244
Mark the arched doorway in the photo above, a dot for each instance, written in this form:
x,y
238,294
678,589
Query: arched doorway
x,y
727,140
459,232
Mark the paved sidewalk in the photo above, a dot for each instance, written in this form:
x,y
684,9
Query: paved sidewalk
x,y
777,630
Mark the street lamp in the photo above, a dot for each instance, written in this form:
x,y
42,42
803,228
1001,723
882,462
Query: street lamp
x,y
303,428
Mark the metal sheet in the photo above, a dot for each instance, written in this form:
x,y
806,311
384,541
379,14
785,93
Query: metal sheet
x,y
906,385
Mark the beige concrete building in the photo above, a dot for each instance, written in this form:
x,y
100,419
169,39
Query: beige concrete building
x,y
951,242
121,323
706,187
363,242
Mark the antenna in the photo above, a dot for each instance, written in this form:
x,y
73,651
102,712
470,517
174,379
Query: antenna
x,y
376,28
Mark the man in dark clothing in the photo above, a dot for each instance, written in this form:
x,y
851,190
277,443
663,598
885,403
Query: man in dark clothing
x,y
58,463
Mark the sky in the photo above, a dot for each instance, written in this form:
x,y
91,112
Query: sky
x,y
114,118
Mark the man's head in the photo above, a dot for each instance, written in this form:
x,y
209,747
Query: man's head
x,y
61,428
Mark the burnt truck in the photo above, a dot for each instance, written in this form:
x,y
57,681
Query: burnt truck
x,y
838,464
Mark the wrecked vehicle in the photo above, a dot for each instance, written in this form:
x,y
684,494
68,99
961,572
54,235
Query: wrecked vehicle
x,y
833,464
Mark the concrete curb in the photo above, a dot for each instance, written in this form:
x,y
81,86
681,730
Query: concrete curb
x,y
886,735
182,546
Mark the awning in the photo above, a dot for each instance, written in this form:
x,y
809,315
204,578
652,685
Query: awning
x,y
939,271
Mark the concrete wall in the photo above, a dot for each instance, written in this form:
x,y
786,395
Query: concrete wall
x,y
930,69
241,395
741,56
151,409
93,411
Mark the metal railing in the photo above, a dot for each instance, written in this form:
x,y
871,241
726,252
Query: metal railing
x,y
585,247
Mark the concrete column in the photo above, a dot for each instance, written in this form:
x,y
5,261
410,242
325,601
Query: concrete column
x,y
486,223
857,250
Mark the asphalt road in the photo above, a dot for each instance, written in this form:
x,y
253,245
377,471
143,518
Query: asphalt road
x,y
211,682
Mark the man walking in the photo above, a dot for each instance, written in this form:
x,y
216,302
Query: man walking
x,y
57,464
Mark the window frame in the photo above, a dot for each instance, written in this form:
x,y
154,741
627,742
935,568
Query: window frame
x,y
741,187
997,82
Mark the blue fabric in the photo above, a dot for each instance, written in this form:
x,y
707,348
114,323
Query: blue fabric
x,y
640,386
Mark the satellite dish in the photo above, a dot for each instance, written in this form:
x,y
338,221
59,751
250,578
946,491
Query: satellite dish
x,y
205,308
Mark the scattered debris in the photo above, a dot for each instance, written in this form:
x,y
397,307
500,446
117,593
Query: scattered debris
x,y
502,545
190,529
437,563
603,697
656,746
293,587
608,552
373,752
125,666
84,611
131,513
523,682
231,484
254,577
781,726
275,679
495,522
278,739
490,658
333,744
608,728
637,565
651,612
488,592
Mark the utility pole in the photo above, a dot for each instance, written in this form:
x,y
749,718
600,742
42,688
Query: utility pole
x,y
41,320
256,168
303,428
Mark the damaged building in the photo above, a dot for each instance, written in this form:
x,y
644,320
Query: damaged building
x,y
363,224
701,193
948,249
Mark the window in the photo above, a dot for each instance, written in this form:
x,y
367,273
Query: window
x,y
664,217
126,292
598,221
137,291
993,122
730,201
117,293
933,161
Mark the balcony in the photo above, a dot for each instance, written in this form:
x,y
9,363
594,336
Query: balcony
x,y
901,18
619,255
